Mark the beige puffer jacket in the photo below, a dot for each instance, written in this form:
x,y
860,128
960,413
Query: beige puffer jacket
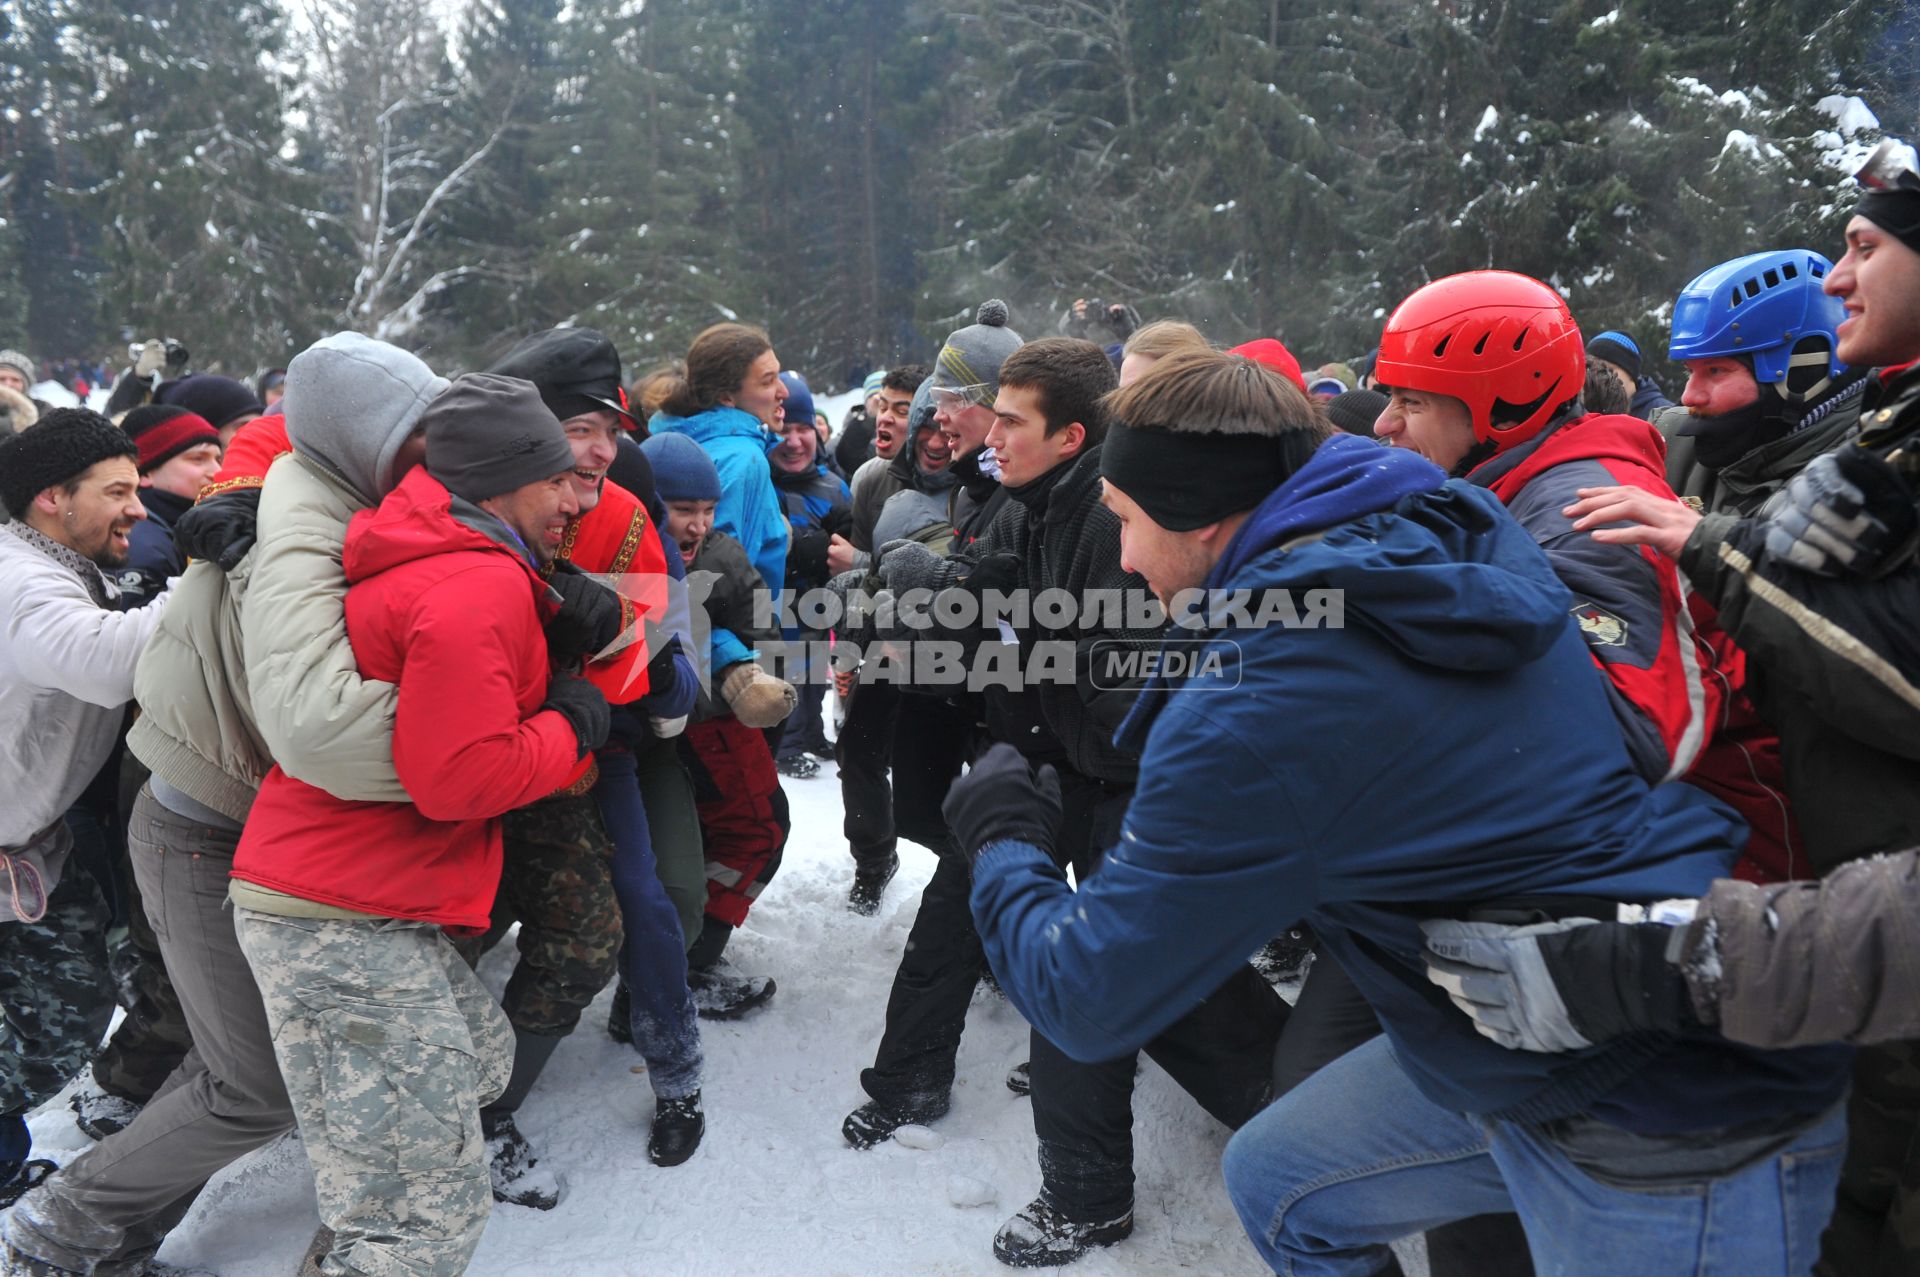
x,y
351,403
196,729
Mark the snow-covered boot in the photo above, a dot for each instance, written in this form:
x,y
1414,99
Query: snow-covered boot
x,y
1041,1236
14,1263
101,1113
869,885
677,1128
517,1175
874,1123
1020,1078
798,767
518,1178
1285,957
721,993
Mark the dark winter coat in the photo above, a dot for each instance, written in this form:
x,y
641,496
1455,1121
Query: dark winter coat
x,y
975,499
817,505
1062,537
1742,488
1648,399
1450,745
1832,663
724,582
853,444
152,557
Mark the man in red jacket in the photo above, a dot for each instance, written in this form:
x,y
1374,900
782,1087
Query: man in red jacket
x,y
388,1042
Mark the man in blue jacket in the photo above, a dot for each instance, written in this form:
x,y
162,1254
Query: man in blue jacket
x,y
1430,732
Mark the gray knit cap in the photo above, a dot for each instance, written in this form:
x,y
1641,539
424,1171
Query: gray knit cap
x,y
973,355
488,435
20,363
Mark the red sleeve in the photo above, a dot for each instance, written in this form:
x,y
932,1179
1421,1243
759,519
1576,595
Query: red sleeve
x,y
254,449
461,746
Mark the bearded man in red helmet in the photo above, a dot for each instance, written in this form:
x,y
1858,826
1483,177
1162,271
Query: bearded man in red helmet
x,y
1484,372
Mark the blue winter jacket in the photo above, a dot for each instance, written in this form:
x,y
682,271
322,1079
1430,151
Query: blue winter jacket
x,y
749,509
1451,746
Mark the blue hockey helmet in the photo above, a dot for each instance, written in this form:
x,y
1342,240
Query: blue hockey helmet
x,y
1761,306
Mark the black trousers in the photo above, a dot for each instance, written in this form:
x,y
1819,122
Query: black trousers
x,y
1221,1053
1330,1019
927,1007
865,752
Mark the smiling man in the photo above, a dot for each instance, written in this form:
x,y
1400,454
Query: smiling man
x,y
66,673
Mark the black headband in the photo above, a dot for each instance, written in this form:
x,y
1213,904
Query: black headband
x,y
1186,480
1897,212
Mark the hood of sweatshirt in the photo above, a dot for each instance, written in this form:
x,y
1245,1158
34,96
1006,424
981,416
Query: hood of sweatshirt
x,y
351,402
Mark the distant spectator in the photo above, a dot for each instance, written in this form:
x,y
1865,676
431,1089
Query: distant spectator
x,y
227,403
16,371
1355,411
1330,380
1621,353
1156,341
1605,391
1274,354
270,386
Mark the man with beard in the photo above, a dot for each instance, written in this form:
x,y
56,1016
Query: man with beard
x,y
1766,391
66,672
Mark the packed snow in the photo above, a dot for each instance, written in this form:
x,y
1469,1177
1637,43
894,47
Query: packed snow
x,y
774,1187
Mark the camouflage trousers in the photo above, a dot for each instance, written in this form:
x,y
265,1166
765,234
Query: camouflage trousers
x,y
556,881
56,991
1876,1219
389,1046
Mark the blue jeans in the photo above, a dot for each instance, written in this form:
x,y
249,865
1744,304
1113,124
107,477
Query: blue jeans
x,y
1356,1157
653,959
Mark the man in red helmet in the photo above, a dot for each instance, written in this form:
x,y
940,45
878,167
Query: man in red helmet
x,y
1484,372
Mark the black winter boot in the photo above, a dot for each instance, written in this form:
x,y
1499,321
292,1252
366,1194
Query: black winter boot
x,y
620,1015
869,885
517,1175
677,1128
1040,1236
874,1123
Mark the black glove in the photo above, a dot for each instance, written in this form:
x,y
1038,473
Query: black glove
x,y
1560,986
588,619
221,528
1001,798
584,707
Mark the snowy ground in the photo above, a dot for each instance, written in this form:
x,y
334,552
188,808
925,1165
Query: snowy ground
x,y
774,1188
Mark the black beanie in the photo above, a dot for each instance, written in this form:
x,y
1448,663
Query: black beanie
x,y
219,399
488,435
1896,211
1355,411
66,443
1619,350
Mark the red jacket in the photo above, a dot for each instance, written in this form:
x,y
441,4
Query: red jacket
x,y
1679,682
453,618
618,539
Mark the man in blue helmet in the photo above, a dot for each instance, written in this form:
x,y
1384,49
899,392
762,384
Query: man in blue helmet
x,y
1766,389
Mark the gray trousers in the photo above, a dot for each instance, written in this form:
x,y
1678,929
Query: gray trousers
x,y
389,1045
114,1204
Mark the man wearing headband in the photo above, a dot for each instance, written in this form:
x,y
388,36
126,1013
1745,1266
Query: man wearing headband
x,y
1447,741
1821,590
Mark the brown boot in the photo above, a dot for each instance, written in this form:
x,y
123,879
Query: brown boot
x,y
317,1249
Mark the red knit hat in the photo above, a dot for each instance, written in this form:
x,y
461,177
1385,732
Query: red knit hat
x,y
1268,351
162,432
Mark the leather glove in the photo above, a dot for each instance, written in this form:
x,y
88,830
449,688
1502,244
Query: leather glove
x,y
1560,986
908,565
589,617
584,708
1844,514
220,529
757,698
1003,799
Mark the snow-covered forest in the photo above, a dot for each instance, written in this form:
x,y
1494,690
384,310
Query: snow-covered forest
x,y
856,174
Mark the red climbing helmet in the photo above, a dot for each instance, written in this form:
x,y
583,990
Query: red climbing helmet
x,y
1503,344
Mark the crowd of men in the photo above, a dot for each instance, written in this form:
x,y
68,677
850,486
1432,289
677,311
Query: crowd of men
x,y
1574,733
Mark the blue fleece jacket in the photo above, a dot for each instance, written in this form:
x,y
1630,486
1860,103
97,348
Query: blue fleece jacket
x,y
1452,745
749,509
